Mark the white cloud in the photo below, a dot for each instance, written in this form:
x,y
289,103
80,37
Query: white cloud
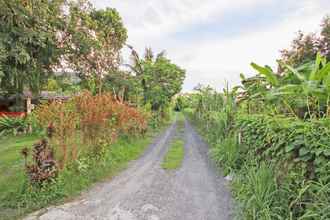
x,y
160,16
225,59
211,60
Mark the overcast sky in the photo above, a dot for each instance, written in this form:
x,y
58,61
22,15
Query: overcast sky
x,y
215,40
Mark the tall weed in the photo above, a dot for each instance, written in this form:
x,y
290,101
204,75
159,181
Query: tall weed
x,y
227,153
255,187
87,124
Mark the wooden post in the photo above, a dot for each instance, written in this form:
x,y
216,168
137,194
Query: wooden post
x,y
29,108
240,137
28,105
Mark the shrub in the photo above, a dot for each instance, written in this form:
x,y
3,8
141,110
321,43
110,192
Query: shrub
x,y
12,125
299,154
62,119
102,115
294,144
90,122
280,164
227,153
44,167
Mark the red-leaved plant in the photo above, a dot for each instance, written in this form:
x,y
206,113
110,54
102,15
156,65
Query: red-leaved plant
x,y
89,122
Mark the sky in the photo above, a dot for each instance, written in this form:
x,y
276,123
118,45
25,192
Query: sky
x,y
216,40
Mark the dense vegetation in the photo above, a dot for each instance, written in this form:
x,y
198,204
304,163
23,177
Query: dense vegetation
x,y
43,43
105,114
271,134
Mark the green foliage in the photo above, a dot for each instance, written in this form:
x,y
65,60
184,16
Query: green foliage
x,y
268,73
301,91
52,85
181,102
280,164
19,197
174,156
11,168
124,86
12,125
292,143
39,42
38,37
96,37
159,79
256,189
163,80
28,43
175,153
227,153
272,133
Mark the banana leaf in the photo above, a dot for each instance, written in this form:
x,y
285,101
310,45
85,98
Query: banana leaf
x,y
268,73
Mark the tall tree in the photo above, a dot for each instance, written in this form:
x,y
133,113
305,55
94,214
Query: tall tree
x,y
160,79
28,43
93,39
305,46
39,37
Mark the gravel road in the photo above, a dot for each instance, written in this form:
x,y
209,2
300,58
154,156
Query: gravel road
x,y
145,191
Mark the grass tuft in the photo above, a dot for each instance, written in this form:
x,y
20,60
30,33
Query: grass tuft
x,y
174,156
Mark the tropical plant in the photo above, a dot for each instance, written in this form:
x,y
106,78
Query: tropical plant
x,y
12,125
310,82
159,78
271,134
302,91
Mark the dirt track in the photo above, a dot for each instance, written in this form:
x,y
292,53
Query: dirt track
x,y
147,192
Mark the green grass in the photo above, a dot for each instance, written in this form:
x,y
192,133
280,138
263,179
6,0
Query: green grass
x,y
11,162
174,157
18,198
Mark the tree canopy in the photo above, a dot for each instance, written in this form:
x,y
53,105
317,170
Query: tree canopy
x,y
38,38
28,43
43,40
160,79
305,46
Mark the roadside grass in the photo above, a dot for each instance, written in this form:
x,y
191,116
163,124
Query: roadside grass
x,y
12,163
175,154
19,198
174,157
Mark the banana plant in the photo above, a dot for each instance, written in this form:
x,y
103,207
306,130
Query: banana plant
x,y
303,89
311,82
269,74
